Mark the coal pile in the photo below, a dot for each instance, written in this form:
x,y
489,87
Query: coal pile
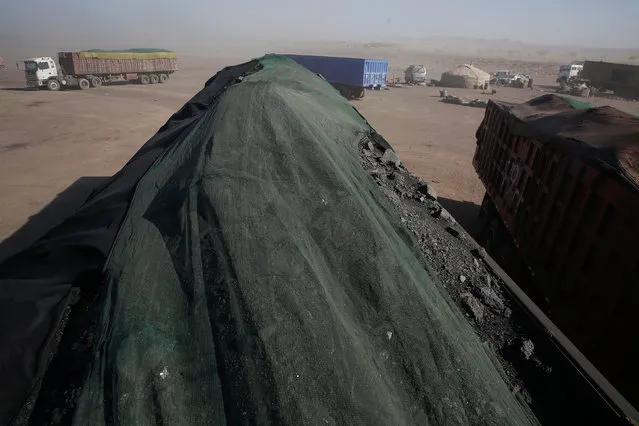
x,y
537,371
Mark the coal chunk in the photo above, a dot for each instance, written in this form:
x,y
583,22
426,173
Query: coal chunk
x,y
491,298
428,191
527,348
473,306
390,157
452,231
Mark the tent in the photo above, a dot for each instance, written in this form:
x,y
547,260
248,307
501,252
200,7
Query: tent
x,y
464,76
249,271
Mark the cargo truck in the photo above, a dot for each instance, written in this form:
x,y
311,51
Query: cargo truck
x,y
568,72
92,68
622,79
351,76
560,214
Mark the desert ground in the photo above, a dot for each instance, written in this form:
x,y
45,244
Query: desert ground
x,y
50,141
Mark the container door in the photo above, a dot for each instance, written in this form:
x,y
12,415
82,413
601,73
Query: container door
x,y
375,73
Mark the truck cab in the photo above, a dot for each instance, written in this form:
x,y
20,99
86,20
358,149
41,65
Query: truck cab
x,y
39,71
566,72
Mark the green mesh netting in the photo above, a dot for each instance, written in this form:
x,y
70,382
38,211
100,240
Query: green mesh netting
x,y
261,277
577,103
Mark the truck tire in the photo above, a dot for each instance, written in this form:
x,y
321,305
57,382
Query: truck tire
x,y
96,81
144,79
361,93
163,78
84,83
53,85
154,79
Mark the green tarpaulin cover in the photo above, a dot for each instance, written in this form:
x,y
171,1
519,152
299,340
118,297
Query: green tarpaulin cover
x,y
260,276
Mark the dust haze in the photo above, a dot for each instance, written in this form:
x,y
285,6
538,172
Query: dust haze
x,y
61,137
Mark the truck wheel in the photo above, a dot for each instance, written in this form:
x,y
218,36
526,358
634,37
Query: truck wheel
x,y
84,83
53,85
361,93
96,81
163,78
144,79
154,79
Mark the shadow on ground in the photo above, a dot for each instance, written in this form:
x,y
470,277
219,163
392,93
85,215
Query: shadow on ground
x,y
62,206
20,89
466,213
66,88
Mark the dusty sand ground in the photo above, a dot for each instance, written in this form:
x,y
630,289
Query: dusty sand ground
x,y
49,140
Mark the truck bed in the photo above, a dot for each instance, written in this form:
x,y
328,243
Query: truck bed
x,y
564,183
75,63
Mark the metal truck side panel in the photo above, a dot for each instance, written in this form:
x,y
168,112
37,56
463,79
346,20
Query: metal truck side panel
x,y
375,72
575,224
353,72
622,78
73,64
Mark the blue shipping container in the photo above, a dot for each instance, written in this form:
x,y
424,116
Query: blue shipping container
x,y
354,72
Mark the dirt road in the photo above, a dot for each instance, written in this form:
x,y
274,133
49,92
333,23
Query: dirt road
x,y
49,140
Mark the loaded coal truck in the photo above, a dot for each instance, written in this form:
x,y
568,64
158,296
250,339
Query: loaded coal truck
x,y
350,76
92,68
327,276
560,215
622,79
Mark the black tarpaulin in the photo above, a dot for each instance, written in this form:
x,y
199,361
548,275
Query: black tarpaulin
x,y
36,283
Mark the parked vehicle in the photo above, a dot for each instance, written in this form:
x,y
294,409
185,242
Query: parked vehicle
x,y
351,76
503,78
561,205
415,74
622,79
91,68
570,71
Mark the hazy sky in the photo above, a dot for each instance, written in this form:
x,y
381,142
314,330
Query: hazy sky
x,y
175,23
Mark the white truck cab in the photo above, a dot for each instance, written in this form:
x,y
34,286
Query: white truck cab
x,y
41,71
572,70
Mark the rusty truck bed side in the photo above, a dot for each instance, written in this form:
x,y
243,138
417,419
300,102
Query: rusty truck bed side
x,y
564,182
73,64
